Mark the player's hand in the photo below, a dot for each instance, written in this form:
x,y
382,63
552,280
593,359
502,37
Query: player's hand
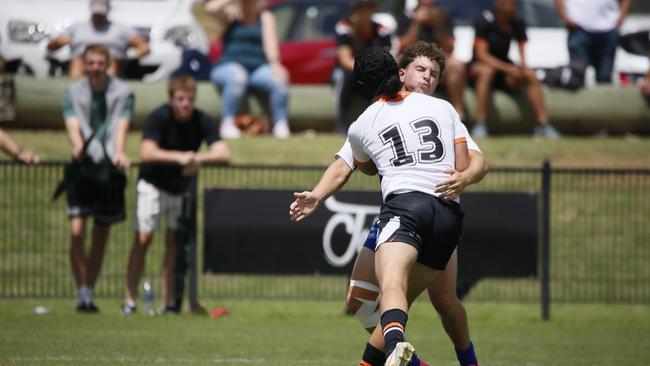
x,y
453,187
304,205
121,161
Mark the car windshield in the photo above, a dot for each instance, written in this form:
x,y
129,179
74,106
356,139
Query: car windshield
x,y
537,13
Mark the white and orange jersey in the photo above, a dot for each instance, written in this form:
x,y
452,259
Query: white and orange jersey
x,y
411,141
345,153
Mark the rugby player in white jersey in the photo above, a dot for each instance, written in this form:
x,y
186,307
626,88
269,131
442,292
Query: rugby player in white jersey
x,y
421,66
410,140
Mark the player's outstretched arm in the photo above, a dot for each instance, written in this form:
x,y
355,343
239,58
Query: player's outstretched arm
x,y
455,185
307,202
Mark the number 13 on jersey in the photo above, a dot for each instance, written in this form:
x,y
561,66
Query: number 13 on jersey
x,y
428,147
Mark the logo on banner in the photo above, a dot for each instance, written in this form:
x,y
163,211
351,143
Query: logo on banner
x,y
353,218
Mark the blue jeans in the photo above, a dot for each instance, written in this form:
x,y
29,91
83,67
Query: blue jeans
x,y
595,49
234,80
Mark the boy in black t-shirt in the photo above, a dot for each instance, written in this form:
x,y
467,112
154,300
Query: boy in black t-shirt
x,y
169,154
354,34
491,67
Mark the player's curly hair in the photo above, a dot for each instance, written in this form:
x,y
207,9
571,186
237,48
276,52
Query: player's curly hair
x,y
376,71
421,48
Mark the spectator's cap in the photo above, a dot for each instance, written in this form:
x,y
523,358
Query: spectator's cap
x,y
99,7
356,4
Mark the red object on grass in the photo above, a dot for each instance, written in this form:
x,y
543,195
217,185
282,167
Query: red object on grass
x,y
219,312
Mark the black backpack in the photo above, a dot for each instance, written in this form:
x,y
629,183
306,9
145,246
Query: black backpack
x,y
570,77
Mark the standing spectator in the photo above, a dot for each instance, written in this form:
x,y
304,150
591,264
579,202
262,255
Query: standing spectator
x,y
354,34
491,67
593,32
424,20
251,58
172,137
99,29
97,111
8,145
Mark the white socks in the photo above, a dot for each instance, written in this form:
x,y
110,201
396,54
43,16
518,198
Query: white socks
x,y
85,294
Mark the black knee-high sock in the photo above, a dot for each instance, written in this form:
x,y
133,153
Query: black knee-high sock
x,y
393,324
372,357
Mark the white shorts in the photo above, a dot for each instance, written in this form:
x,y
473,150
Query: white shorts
x,y
151,203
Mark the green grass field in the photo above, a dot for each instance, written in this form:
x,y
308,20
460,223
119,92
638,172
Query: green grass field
x,y
306,148
589,217
281,333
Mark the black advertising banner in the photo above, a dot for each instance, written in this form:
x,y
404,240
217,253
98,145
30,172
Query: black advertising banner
x,y
499,235
249,231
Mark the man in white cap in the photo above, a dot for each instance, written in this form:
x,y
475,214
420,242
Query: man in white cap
x,y
118,38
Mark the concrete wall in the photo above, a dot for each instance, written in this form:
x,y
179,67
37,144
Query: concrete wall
x,y
616,110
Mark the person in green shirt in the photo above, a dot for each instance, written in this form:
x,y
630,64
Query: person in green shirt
x,y
97,111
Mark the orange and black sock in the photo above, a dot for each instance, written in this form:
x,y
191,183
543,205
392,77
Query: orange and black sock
x,y
372,357
393,323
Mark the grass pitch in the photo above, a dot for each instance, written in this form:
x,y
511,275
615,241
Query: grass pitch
x,y
317,333
319,149
281,333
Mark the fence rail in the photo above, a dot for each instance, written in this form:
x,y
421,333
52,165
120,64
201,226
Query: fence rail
x,y
599,236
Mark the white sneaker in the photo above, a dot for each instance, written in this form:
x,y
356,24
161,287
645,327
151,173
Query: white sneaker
x,y
229,131
402,355
281,130
479,131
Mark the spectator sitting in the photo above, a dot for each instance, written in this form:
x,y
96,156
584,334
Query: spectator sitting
x,y
491,66
116,37
9,146
97,111
171,138
424,20
251,58
593,32
354,34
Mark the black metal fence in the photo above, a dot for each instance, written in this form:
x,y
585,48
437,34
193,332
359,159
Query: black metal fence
x,y
599,236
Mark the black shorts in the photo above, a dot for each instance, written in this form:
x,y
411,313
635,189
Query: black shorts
x,y
104,200
430,224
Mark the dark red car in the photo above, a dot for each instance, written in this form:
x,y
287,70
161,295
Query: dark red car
x,y
306,32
